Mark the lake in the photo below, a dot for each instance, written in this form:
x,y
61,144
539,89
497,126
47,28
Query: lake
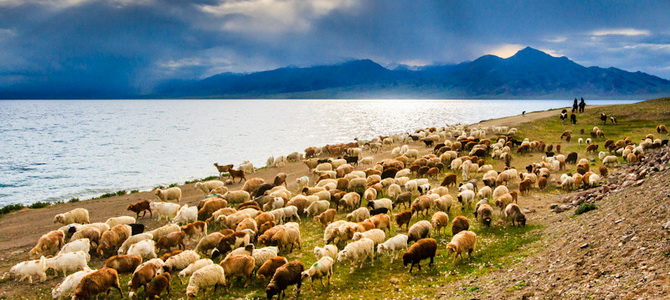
x,y
52,150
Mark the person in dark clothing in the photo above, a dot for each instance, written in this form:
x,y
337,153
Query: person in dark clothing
x,y
582,104
573,118
574,105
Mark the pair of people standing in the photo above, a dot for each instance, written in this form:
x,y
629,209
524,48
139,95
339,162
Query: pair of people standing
x,y
578,107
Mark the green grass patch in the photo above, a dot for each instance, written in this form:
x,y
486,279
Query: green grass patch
x,y
584,207
10,208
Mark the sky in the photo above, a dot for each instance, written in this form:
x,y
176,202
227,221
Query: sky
x,y
118,46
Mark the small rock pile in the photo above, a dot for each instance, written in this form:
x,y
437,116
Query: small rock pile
x,y
632,175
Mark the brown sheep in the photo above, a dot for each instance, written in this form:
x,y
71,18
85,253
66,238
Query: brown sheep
x,y
141,206
238,266
251,185
421,204
515,196
449,180
112,239
210,206
157,285
439,220
582,168
264,217
267,270
422,249
381,221
603,171
196,228
142,276
342,184
513,214
280,179
249,204
230,242
461,242
661,129
237,173
288,274
123,263
592,148
167,255
326,217
367,225
502,201
265,226
97,282
404,198
170,240
524,186
484,213
223,169
403,218
48,244
542,183
459,224
208,242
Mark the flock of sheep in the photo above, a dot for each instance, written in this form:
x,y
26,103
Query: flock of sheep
x,y
263,220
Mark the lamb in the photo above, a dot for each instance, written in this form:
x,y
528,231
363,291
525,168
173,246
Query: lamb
x,y
157,285
322,268
210,275
165,209
358,215
164,230
97,282
194,266
466,197
419,230
172,239
239,266
67,287
142,206
422,249
207,186
461,242
173,193
513,214
123,220
326,217
112,239
143,275
123,263
186,214
357,251
144,248
327,250
76,245
376,235
290,212
270,266
28,269
439,220
317,207
392,245
484,212
288,274
77,215
403,218
459,224
48,244
69,262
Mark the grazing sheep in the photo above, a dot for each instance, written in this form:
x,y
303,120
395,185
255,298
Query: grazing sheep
x,y
72,261
165,209
28,269
172,239
443,203
164,230
466,198
207,186
422,249
112,239
77,215
270,266
142,206
326,217
317,207
461,242
459,224
358,215
403,218
322,268
66,288
499,191
357,251
48,244
513,214
381,203
287,236
210,207
157,285
170,194
610,159
236,197
210,275
97,282
327,250
419,230
381,221
144,248
123,263
143,275
392,245
76,245
376,235
123,220
285,275
194,266
238,266
439,220
186,214
484,213
195,229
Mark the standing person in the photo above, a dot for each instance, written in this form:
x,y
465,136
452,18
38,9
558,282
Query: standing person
x,y
574,105
573,118
582,104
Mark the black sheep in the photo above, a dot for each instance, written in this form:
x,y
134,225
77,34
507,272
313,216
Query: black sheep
x,y
376,211
424,248
284,276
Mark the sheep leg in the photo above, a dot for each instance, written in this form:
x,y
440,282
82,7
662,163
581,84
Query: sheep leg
x,y
430,264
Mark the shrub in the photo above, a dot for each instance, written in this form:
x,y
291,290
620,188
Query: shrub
x,y
134,191
73,200
39,204
584,207
10,208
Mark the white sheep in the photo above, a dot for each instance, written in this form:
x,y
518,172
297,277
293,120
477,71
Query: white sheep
x,y
134,239
69,284
610,159
290,212
76,245
165,209
173,193
164,230
77,215
263,254
358,215
384,202
499,191
393,245
181,260
28,269
302,182
235,197
320,269
194,266
144,248
69,262
376,235
207,186
357,252
466,198
248,167
210,275
444,203
327,250
186,214
123,220
317,207
330,233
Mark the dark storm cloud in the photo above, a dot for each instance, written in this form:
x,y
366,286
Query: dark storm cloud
x,y
114,45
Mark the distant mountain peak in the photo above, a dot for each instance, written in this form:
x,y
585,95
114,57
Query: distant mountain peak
x,y
530,53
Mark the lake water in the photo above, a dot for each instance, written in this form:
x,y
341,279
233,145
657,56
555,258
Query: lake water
x,y
53,150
